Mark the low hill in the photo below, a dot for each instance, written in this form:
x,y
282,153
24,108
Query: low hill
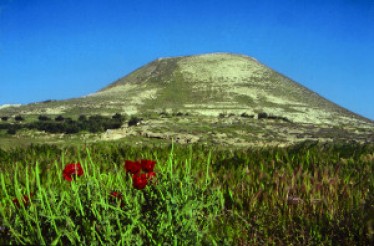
x,y
205,87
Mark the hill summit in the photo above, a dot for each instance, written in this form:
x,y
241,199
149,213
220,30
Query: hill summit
x,y
211,84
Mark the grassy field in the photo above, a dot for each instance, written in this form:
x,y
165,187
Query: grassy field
x,y
309,194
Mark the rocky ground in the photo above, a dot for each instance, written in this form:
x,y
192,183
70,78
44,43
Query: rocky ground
x,y
236,131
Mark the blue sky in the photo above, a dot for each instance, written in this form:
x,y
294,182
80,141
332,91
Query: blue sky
x,y
59,49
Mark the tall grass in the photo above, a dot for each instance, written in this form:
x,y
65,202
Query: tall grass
x,y
307,194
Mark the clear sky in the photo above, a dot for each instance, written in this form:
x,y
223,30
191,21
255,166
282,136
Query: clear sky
x,y
59,49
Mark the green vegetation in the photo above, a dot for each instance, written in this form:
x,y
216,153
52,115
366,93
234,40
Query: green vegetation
x,y
19,118
308,194
93,124
134,121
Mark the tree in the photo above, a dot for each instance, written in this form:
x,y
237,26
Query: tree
x,y
19,118
69,120
43,118
134,121
60,118
72,128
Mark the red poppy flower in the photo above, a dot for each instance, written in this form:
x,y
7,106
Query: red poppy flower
x,y
139,181
132,167
25,200
148,165
72,170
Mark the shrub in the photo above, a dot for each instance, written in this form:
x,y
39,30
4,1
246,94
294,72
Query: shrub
x,y
43,118
164,114
285,119
69,120
19,118
12,131
72,128
273,117
179,114
82,117
245,115
93,126
119,117
262,115
134,121
60,118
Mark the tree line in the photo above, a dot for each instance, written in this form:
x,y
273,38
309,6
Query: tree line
x,y
60,124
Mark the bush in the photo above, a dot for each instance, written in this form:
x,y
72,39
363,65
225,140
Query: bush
x,y
285,119
245,115
134,121
262,115
178,114
82,117
273,117
43,118
72,128
164,114
118,117
93,126
69,120
4,118
12,131
60,118
19,118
